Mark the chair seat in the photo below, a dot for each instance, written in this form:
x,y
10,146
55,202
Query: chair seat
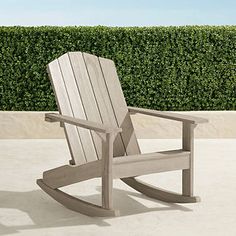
x,y
141,164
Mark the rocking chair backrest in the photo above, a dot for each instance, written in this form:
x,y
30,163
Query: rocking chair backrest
x,y
87,87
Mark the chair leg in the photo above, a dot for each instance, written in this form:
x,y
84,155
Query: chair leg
x,y
187,176
187,182
188,145
107,185
84,207
107,180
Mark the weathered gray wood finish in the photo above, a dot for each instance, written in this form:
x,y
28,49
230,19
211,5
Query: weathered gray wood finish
x,y
76,204
168,115
87,87
98,128
120,167
187,144
158,193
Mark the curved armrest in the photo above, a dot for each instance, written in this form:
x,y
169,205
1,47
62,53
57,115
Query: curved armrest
x,y
168,115
53,117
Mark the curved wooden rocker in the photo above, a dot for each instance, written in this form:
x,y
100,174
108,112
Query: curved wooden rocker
x,y
76,204
101,137
158,193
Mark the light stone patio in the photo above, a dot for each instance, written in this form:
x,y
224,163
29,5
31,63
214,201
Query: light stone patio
x,y
27,210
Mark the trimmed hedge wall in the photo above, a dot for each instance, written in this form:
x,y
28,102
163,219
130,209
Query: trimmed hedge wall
x,y
164,68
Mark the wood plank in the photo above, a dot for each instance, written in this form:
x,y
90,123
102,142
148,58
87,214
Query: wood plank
x,y
102,98
87,96
70,174
53,117
107,178
153,155
188,145
168,115
119,106
150,163
64,107
158,193
76,204
77,106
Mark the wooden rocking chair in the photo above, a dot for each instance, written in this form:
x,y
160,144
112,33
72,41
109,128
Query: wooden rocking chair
x,y
101,136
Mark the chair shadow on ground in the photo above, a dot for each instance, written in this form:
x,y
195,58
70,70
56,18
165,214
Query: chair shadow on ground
x,y
44,212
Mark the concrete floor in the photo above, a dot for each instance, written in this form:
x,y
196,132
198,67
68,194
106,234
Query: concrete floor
x,y
27,210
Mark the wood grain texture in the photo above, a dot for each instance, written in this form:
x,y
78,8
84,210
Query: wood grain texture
x,y
188,145
64,106
101,128
158,193
87,95
76,204
119,106
77,106
168,115
70,174
104,102
143,164
107,177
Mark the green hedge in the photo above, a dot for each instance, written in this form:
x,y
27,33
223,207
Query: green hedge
x,y
166,68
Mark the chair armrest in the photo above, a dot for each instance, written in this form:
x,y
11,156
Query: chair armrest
x,y
53,117
168,115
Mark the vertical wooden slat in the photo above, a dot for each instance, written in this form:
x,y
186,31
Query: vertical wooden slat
x,y
119,106
187,145
77,106
103,99
91,90
64,107
87,96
